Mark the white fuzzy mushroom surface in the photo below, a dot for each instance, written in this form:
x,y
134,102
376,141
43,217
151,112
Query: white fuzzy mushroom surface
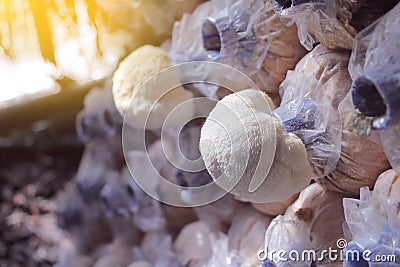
x,y
247,152
146,88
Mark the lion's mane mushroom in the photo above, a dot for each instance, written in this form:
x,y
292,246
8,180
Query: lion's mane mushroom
x,y
240,142
144,97
305,223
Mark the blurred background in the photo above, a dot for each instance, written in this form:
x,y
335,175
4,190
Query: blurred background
x,y
52,52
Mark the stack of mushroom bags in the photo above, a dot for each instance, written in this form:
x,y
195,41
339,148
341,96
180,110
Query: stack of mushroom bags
x,y
321,120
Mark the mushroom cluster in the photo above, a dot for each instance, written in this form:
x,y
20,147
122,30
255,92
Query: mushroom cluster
x,y
259,127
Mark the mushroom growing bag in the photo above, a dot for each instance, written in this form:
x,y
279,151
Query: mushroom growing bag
x,y
313,103
333,23
246,35
373,222
375,70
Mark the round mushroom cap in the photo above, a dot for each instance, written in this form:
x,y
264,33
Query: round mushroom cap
x,y
146,89
308,224
244,233
388,185
247,152
275,208
193,243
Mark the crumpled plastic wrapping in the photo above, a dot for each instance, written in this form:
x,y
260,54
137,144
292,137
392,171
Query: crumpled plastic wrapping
x,y
305,226
104,203
334,23
361,161
186,42
374,68
81,225
232,32
221,254
309,106
313,120
314,107
376,45
284,52
149,216
373,221
275,50
316,22
98,125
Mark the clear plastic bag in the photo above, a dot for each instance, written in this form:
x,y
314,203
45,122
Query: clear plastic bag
x,y
373,223
375,68
310,97
316,22
232,32
312,118
314,106
99,118
222,256
247,35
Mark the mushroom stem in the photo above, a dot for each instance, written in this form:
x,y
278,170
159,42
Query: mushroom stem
x,y
376,93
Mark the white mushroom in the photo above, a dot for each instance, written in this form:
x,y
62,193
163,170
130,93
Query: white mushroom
x,y
193,244
249,147
144,97
244,234
388,185
275,208
305,224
